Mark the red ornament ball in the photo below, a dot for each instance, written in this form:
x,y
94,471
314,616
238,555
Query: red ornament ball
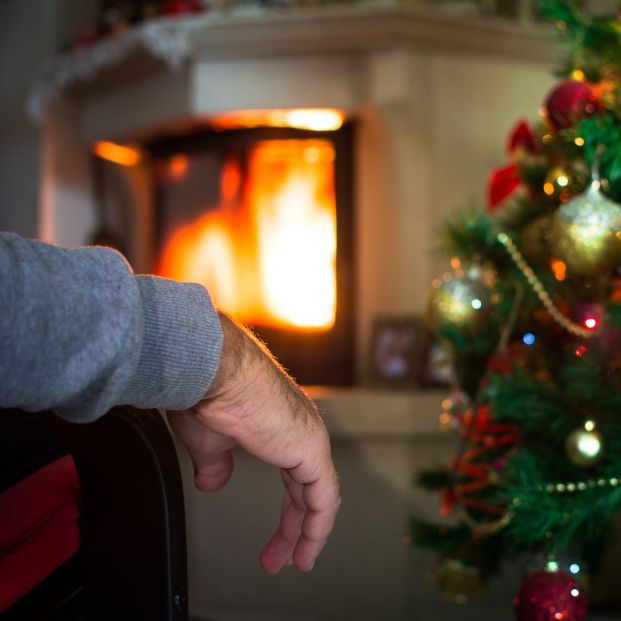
x,y
570,102
550,596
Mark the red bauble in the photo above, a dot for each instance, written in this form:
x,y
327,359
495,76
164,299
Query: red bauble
x,y
570,102
550,596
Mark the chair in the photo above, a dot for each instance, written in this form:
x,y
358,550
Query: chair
x,y
131,562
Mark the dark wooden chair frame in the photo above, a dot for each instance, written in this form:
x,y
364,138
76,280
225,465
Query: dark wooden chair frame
x,y
132,561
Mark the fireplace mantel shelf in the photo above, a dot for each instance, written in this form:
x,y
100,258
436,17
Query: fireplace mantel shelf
x,y
327,30
372,413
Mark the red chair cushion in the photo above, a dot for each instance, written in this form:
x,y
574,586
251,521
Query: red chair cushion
x,y
38,528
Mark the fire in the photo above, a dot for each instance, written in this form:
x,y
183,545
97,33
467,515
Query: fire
x,y
117,153
267,252
314,119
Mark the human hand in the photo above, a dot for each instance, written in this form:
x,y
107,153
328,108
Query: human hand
x,y
253,403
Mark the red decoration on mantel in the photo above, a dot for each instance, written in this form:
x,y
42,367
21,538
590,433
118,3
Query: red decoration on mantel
x,y
550,596
181,7
570,102
503,182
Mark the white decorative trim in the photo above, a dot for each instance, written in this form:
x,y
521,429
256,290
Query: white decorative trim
x,y
167,39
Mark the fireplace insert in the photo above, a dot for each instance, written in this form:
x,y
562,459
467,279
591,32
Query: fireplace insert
x,y
263,217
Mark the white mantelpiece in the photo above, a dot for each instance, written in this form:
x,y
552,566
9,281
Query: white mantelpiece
x,y
217,36
432,98
335,29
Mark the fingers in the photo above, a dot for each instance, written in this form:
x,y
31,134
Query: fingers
x,y
279,549
322,499
307,519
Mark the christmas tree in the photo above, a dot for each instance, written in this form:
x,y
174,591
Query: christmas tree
x,y
531,313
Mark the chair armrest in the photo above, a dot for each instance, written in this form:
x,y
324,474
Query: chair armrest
x,y
133,525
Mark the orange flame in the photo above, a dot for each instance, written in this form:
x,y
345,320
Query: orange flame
x,y
267,252
117,153
314,119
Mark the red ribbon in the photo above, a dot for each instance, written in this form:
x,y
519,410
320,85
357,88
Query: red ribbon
x,y
503,182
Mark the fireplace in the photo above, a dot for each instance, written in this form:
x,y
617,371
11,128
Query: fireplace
x,y
362,62
258,207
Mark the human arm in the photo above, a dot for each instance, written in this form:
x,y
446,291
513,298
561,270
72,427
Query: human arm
x,y
253,403
80,333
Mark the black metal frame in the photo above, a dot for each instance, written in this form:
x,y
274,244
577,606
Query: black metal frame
x,y
312,357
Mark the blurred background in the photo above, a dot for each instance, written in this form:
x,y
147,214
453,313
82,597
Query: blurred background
x,y
297,157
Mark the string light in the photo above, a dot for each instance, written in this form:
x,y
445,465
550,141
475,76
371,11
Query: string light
x,y
528,338
537,287
559,269
581,350
578,74
590,323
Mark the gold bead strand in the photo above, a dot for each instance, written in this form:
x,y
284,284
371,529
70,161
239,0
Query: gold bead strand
x,y
580,486
538,288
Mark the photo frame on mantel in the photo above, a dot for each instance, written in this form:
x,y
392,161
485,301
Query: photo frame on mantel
x,y
398,350
438,366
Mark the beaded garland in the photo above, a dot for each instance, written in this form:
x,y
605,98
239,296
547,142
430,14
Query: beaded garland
x,y
581,486
538,288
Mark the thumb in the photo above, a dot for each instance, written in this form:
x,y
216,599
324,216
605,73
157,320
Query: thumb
x,y
210,451
212,471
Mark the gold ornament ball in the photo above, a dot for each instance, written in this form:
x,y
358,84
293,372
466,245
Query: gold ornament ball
x,y
586,233
456,580
459,301
535,239
584,448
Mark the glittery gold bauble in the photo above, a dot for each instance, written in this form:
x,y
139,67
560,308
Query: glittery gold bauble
x,y
584,447
457,580
459,301
586,233
535,239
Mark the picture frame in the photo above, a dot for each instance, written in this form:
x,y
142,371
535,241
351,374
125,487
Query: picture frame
x,y
397,351
438,367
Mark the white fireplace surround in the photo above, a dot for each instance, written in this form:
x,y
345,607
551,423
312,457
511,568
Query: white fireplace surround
x,y
402,73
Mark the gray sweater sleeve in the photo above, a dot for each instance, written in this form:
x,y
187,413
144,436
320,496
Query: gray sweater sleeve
x,y
79,333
